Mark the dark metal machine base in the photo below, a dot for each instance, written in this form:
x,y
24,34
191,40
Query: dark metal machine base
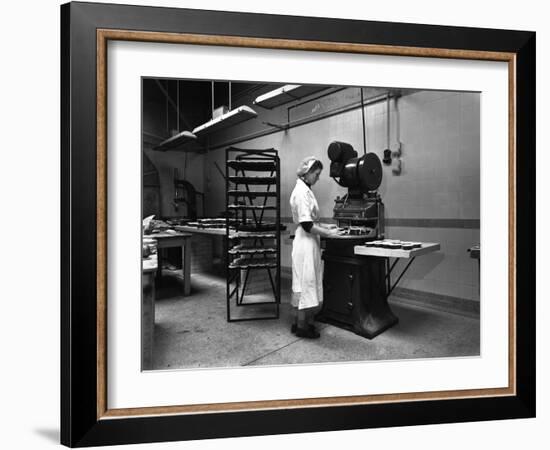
x,y
355,295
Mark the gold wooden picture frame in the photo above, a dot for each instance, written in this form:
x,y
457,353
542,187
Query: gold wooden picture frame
x,y
87,418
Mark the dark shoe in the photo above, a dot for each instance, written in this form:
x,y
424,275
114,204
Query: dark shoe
x,y
294,327
308,333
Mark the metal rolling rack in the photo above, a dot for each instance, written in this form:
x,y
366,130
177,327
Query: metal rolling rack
x,y
252,242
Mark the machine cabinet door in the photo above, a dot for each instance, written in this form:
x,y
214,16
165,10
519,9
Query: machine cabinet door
x,y
340,282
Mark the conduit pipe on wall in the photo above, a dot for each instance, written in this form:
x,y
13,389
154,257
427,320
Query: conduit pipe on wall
x,y
396,170
300,122
363,123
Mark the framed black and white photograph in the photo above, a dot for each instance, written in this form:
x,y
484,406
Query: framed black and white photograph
x,y
280,224
213,178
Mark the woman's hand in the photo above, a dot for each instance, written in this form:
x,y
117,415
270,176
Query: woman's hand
x,y
324,231
335,232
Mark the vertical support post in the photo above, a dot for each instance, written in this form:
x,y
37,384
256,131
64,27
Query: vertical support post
x,y
212,99
388,121
186,266
227,254
278,228
363,122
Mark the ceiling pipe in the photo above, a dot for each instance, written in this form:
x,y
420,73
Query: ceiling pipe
x,y
167,95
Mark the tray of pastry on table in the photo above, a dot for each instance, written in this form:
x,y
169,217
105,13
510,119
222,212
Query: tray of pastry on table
x,y
394,248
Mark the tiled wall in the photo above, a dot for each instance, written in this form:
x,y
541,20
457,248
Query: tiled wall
x,y
450,272
441,156
440,180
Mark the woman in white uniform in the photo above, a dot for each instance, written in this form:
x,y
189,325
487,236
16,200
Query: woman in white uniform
x,y
307,267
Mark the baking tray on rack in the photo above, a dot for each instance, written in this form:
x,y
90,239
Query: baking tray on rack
x,y
258,165
252,180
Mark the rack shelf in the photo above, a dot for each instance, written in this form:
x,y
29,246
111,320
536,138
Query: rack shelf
x,y
252,251
251,235
248,262
258,227
251,194
255,207
252,180
259,165
254,243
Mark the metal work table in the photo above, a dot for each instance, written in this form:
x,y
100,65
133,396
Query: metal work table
x,y
149,268
210,231
357,284
176,239
200,230
426,247
475,253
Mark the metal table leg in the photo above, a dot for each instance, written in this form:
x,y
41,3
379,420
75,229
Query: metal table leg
x,y
390,269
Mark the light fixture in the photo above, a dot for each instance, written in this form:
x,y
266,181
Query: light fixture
x,y
286,94
225,119
230,118
176,141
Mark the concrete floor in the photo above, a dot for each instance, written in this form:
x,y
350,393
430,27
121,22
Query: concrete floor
x,y
193,332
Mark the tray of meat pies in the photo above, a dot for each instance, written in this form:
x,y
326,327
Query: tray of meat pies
x,y
393,248
393,244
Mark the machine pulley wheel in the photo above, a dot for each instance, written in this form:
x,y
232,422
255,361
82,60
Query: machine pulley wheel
x,y
369,171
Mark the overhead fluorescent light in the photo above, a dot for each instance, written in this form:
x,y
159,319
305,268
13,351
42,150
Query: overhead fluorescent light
x,y
286,94
176,141
233,117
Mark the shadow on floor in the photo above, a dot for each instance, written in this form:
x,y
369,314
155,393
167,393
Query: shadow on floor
x,y
170,285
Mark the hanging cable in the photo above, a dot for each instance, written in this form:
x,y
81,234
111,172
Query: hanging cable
x,y
397,127
387,152
363,121
397,124
388,121
397,154
212,98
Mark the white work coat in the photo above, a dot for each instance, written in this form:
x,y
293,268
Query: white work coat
x,y
307,266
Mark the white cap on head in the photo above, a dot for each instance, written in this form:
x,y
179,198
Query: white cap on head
x,y
305,165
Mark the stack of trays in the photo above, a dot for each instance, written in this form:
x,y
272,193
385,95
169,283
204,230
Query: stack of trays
x,y
246,262
241,249
251,234
215,223
393,244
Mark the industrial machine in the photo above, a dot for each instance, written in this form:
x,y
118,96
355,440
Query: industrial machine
x,y
360,211
354,287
